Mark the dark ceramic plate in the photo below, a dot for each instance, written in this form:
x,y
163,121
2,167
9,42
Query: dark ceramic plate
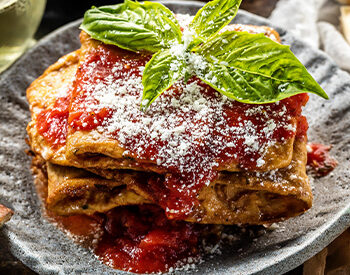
x,y
46,250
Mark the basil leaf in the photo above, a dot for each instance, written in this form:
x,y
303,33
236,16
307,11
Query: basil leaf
x,y
133,26
252,68
214,16
160,73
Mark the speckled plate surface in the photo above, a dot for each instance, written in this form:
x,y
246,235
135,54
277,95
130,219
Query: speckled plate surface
x,y
46,250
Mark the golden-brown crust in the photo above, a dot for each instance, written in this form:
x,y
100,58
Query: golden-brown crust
x,y
258,198
42,93
255,197
92,150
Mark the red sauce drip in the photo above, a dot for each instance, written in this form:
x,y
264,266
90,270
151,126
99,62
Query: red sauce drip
x,y
52,122
302,127
175,196
319,160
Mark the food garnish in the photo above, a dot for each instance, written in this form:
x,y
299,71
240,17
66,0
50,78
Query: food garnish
x,y
249,68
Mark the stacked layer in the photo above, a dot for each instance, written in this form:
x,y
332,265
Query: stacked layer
x,y
200,156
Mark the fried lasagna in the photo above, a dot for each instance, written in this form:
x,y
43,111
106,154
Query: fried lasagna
x,y
194,157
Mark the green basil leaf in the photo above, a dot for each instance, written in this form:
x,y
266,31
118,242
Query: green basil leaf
x,y
160,74
133,26
254,69
214,16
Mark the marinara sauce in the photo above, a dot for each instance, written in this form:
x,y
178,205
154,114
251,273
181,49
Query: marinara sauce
x,y
215,131
52,122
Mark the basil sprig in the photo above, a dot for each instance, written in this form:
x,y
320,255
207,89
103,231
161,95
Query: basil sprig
x,y
215,15
133,26
249,68
252,68
155,81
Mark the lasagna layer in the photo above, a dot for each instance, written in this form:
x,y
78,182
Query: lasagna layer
x,y
231,198
76,191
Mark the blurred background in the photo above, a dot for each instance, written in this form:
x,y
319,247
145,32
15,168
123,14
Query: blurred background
x,y
20,19
324,24
58,13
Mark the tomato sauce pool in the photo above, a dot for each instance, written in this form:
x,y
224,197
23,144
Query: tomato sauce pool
x,y
136,238
142,239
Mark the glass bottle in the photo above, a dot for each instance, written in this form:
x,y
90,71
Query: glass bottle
x,y
19,19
